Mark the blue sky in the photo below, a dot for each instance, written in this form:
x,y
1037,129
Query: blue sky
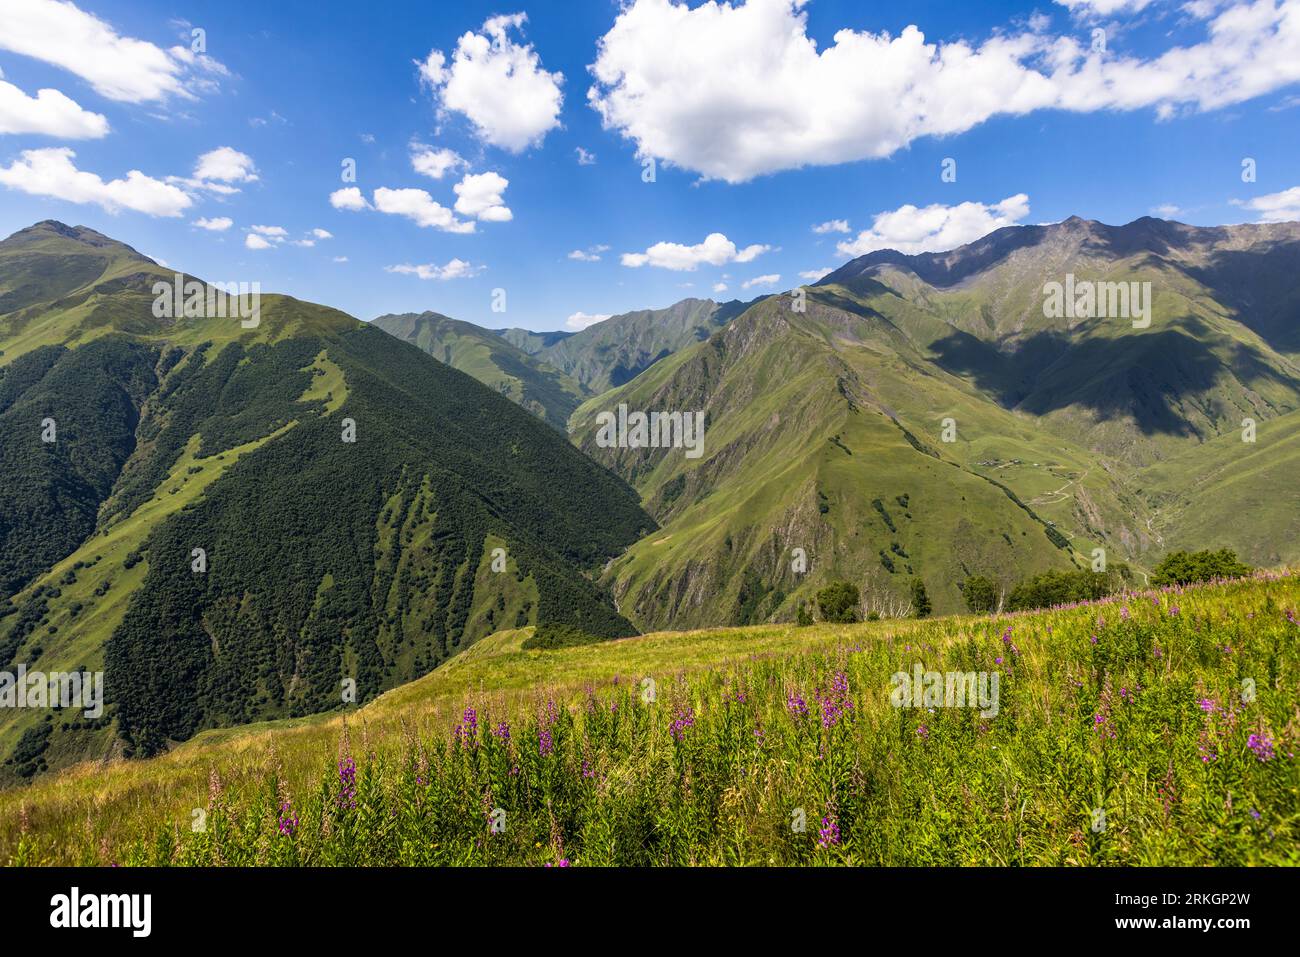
x,y
756,135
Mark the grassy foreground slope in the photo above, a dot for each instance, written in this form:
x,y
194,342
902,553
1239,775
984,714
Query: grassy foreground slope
x,y
1151,728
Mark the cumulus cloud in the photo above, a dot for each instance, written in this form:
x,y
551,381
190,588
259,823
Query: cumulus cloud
x,y
1167,211
912,229
119,68
419,207
719,287
349,197
832,226
770,279
1104,8
812,275
716,250
51,172
581,320
225,165
585,158
454,269
48,113
322,233
254,241
747,92
1283,207
497,83
479,195
589,255
217,225
434,163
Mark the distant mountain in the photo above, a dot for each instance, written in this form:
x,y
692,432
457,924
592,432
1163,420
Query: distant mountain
x,y
827,415
233,521
529,341
621,347
493,360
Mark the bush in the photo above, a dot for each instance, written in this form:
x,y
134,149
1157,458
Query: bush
x,y
981,593
838,602
1185,568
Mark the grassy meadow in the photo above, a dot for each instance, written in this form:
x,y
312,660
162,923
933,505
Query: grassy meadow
x,y
1151,728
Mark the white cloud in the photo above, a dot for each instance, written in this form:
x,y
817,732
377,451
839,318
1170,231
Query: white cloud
x,y
264,237
911,229
479,195
419,207
716,250
1167,211
771,279
48,113
832,226
218,225
120,68
812,275
435,163
277,232
585,158
589,255
340,259
498,84
225,165
349,197
322,233
719,287
581,320
254,241
746,91
51,172
455,269
1283,207
1104,8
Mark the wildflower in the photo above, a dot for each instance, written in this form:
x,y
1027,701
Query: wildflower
x,y
1123,613
997,660
1262,745
467,730
683,718
502,732
545,743
288,820
829,835
795,704
347,783
923,732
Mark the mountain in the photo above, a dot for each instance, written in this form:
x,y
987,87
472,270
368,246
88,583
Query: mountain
x,y
529,341
828,411
491,359
233,522
621,347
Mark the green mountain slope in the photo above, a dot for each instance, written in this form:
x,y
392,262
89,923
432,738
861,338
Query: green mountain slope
x,y
325,559
493,360
827,418
615,351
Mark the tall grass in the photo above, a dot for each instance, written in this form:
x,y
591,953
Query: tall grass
x,y
1153,728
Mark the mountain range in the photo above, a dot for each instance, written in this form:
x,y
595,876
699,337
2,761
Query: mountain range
x,y
908,417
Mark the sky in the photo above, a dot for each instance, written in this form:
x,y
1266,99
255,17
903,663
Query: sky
x,y
546,164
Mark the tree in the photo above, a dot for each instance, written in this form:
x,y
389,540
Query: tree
x,y
981,593
920,600
838,602
1184,568
803,617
